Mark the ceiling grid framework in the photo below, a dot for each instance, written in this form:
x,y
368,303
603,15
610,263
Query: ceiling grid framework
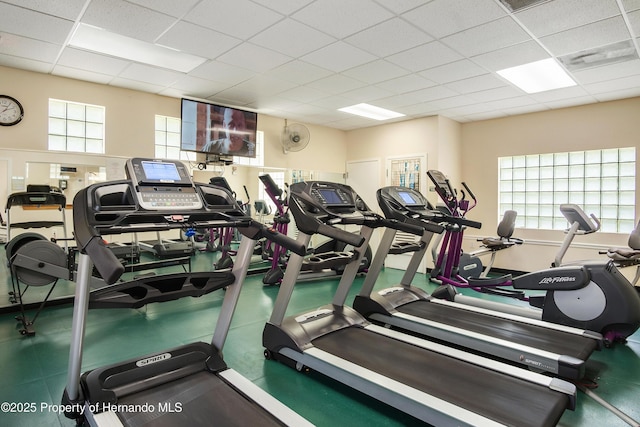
x,y
305,59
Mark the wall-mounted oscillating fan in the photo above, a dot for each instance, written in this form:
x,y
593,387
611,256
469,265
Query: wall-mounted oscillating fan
x,y
295,137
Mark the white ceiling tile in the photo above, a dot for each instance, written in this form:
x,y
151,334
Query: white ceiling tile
x,y
23,22
525,110
466,110
630,82
277,103
426,56
571,102
634,20
400,6
356,50
510,56
285,7
441,18
68,9
386,38
220,72
341,18
453,71
24,64
559,94
375,72
136,85
451,102
197,40
366,94
149,74
332,102
168,7
608,72
335,84
631,4
128,19
487,37
419,110
195,86
299,72
88,61
302,94
263,85
234,96
395,102
85,75
615,95
476,84
570,13
588,36
435,92
28,48
292,38
254,58
504,92
238,18
338,57
406,84
511,102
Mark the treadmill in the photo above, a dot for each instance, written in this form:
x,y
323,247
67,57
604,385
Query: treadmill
x,y
189,384
540,345
434,383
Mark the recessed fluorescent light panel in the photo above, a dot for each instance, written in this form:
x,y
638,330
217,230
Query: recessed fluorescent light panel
x,y
371,112
96,39
538,76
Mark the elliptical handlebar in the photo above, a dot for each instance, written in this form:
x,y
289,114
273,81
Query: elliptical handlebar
x,y
597,221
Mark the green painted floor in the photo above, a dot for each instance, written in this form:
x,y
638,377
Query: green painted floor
x,y
34,368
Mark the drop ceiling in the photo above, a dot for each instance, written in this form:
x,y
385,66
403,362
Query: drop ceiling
x,y
304,59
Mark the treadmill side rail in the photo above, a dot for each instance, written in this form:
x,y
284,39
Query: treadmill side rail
x,y
273,405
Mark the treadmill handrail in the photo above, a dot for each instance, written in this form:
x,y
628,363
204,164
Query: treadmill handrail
x,y
31,198
92,221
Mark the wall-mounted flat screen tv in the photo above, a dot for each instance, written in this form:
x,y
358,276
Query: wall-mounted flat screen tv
x,y
216,129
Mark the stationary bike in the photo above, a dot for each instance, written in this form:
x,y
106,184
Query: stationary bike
x,y
592,295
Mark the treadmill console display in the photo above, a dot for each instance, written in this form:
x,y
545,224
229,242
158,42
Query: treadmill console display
x,y
407,198
332,197
162,184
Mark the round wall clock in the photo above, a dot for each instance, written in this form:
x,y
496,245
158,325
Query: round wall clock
x,y
11,111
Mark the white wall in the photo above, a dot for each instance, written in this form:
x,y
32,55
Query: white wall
x,y
595,126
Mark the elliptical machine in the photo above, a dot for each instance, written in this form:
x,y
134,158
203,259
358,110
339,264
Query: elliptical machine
x,y
330,257
592,295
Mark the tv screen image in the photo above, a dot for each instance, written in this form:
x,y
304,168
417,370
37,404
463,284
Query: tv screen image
x,y
216,129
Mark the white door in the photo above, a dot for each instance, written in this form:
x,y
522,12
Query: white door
x,y
364,177
406,171
4,193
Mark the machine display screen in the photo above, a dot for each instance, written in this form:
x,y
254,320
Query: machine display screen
x,y
331,197
161,172
407,197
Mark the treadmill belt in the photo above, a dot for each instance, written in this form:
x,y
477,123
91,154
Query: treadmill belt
x,y
494,395
517,332
204,399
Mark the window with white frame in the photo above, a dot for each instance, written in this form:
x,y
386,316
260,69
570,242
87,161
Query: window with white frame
x,y
258,160
167,140
602,182
76,127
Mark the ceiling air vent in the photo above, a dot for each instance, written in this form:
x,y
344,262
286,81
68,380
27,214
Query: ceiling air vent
x,y
516,5
603,55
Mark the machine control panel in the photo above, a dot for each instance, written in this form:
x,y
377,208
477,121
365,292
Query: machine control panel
x,y
331,196
162,184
